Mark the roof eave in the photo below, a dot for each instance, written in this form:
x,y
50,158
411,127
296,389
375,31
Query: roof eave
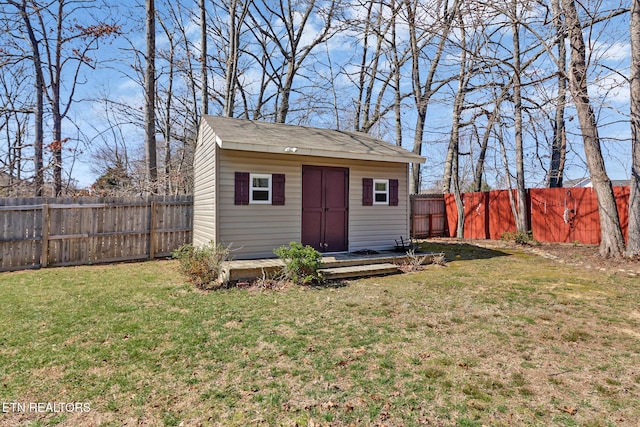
x,y
242,146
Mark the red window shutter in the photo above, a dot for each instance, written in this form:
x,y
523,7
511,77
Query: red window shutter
x,y
367,191
277,183
393,192
242,188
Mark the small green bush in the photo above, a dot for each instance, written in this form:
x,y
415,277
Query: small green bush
x,y
301,263
202,265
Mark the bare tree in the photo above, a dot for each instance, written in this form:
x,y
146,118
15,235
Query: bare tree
x,y
559,144
522,212
168,106
379,67
398,60
226,31
60,47
237,15
633,243
464,76
39,89
150,96
612,241
282,31
203,57
422,38
15,120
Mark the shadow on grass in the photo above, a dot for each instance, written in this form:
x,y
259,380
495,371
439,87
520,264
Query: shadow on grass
x,y
329,284
455,251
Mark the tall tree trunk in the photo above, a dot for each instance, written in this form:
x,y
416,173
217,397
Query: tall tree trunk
x,y
423,91
633,246
479,170
522,218
457,195
150,94
39,133
55,80
612,241
505,160
397,76
416,178
371,115
559,144
364,69
285,93
203,58
168,105
233,55
56,150
454,141
39,105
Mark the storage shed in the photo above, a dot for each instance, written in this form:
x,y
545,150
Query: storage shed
x,y
261,185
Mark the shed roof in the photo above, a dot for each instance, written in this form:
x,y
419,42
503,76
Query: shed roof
x,y
263,137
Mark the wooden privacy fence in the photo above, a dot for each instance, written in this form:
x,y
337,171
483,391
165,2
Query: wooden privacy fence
x,y
40,232
428,216
562,215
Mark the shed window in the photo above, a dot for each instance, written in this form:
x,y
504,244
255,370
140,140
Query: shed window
x,y
260,191
380,191
254,188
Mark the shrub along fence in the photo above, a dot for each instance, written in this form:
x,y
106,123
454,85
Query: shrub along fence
x,y
563,215
40,232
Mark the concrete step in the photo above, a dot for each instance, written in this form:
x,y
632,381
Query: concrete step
x,y
358,271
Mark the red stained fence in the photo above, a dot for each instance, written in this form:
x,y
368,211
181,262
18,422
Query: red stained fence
x,y
563,215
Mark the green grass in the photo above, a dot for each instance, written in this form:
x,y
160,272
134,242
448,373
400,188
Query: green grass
x,y
493,338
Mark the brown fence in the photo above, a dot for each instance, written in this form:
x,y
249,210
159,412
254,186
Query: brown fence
x,y
428,216
563,215
40,232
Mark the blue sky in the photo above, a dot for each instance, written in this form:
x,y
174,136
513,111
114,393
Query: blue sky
x,y
609,45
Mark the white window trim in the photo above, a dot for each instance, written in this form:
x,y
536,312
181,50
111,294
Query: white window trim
x,y
386,192
252,188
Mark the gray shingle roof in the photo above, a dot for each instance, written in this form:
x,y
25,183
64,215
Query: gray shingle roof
x,y
266,137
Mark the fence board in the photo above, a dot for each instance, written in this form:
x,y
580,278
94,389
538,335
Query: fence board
x,y
622,195
500,213
476,207
428,216
37,232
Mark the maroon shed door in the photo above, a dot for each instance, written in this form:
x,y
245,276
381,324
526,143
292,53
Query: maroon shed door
x,y
325,210
312,207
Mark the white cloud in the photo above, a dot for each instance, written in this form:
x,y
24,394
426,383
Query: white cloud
x,y
617,51
612,88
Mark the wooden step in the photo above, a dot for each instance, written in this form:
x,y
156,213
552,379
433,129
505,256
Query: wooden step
x,y
358,271
329,261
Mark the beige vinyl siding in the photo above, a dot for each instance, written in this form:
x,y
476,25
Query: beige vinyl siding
x,y
204,194
376,227
255,230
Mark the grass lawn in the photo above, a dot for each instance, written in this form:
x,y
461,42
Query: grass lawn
x,y
493,338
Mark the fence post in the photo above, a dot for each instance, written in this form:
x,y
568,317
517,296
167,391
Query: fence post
x,y
44,242
152,231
